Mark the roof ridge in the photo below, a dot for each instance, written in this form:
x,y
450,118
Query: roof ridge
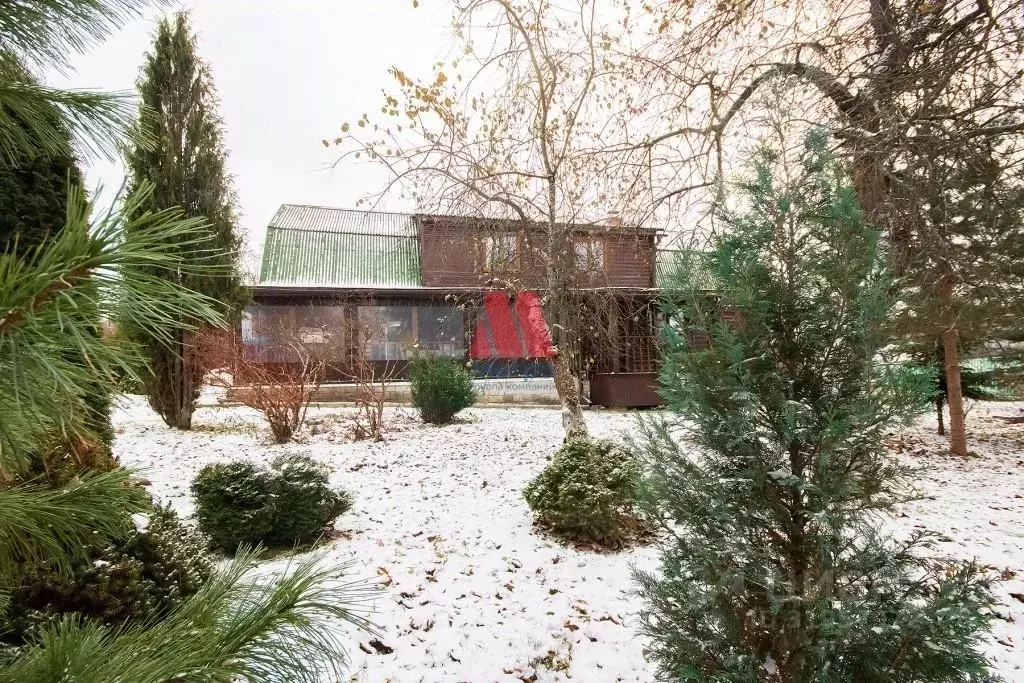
x,y
343,232
340,208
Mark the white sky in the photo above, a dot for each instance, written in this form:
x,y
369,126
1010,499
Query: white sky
x,y
288,73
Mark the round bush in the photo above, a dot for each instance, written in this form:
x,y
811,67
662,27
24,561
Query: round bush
x,y
285,505
440,389
587,492
138,578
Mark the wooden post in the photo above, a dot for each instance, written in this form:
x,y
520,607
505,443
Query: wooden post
x,y
613,332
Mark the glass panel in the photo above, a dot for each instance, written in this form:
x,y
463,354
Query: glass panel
x,y
589,254
386,332
440,331
270,333
402,332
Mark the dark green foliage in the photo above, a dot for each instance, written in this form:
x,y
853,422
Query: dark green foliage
x,y
186,167
587,492
34,197
440,389
59,463
286,505
132,580
771,478
33,209
99,267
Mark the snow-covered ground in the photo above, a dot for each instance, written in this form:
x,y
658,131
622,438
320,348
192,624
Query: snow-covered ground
x,y
475,595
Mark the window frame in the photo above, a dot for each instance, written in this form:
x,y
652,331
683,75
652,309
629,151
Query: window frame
x,y
489,265
589,242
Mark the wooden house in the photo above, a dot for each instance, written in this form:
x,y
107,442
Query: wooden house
x,y
374,289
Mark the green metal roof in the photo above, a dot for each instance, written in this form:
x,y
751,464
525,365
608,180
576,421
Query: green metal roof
x,y
689,261
321,247
310,246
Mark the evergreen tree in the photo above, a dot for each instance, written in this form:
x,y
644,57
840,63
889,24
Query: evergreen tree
x,y
964,216
33,197
774,567
238,626
33,208
185,164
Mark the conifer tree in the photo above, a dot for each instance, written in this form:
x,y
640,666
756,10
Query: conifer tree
x,y
33,209
774,567
183,159
239,626
964,210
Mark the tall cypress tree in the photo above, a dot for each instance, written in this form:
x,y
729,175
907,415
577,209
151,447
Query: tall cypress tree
x,y
186,166
774,566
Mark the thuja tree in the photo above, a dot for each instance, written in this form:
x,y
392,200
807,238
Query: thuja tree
x,y
774,567
185,165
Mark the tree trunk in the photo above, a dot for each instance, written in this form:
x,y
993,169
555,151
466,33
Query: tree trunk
x,y
562,319
957,432
573,422
564,336
172,391
180,410
951,357
939,404
560,310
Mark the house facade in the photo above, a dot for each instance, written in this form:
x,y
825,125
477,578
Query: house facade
x,y
371,290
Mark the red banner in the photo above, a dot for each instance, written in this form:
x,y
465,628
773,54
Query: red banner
x,y
507,330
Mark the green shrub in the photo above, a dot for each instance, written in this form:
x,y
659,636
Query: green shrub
x,y
137,579
587,492
440,389
287,504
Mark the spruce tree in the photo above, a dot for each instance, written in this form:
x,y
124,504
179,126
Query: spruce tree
x,y
185,164
774,567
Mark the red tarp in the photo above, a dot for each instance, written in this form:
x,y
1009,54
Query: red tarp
x,y
504,330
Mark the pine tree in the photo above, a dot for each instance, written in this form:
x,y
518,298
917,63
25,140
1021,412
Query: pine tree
x,y
239,626
33,208
185,164
774,567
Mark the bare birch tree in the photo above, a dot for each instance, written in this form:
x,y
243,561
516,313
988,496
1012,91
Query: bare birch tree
x,y
517,133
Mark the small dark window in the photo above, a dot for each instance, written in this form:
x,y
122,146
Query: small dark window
x,y
589,254
501,252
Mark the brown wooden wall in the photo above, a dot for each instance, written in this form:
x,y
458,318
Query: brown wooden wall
x,y
452,255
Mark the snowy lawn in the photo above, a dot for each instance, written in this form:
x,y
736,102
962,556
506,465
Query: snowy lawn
x,y
476,595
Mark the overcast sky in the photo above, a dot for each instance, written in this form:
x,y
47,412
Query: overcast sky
x,y
288,73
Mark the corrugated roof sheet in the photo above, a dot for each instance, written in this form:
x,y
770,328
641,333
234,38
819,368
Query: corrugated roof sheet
x,y
326,219
669,261
311,246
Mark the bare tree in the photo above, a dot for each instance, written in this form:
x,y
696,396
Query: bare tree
x,y
370,378
282,394
900,82
517,136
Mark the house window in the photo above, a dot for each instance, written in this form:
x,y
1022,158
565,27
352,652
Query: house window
x,y
272,334
403,332
501,252
589,254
